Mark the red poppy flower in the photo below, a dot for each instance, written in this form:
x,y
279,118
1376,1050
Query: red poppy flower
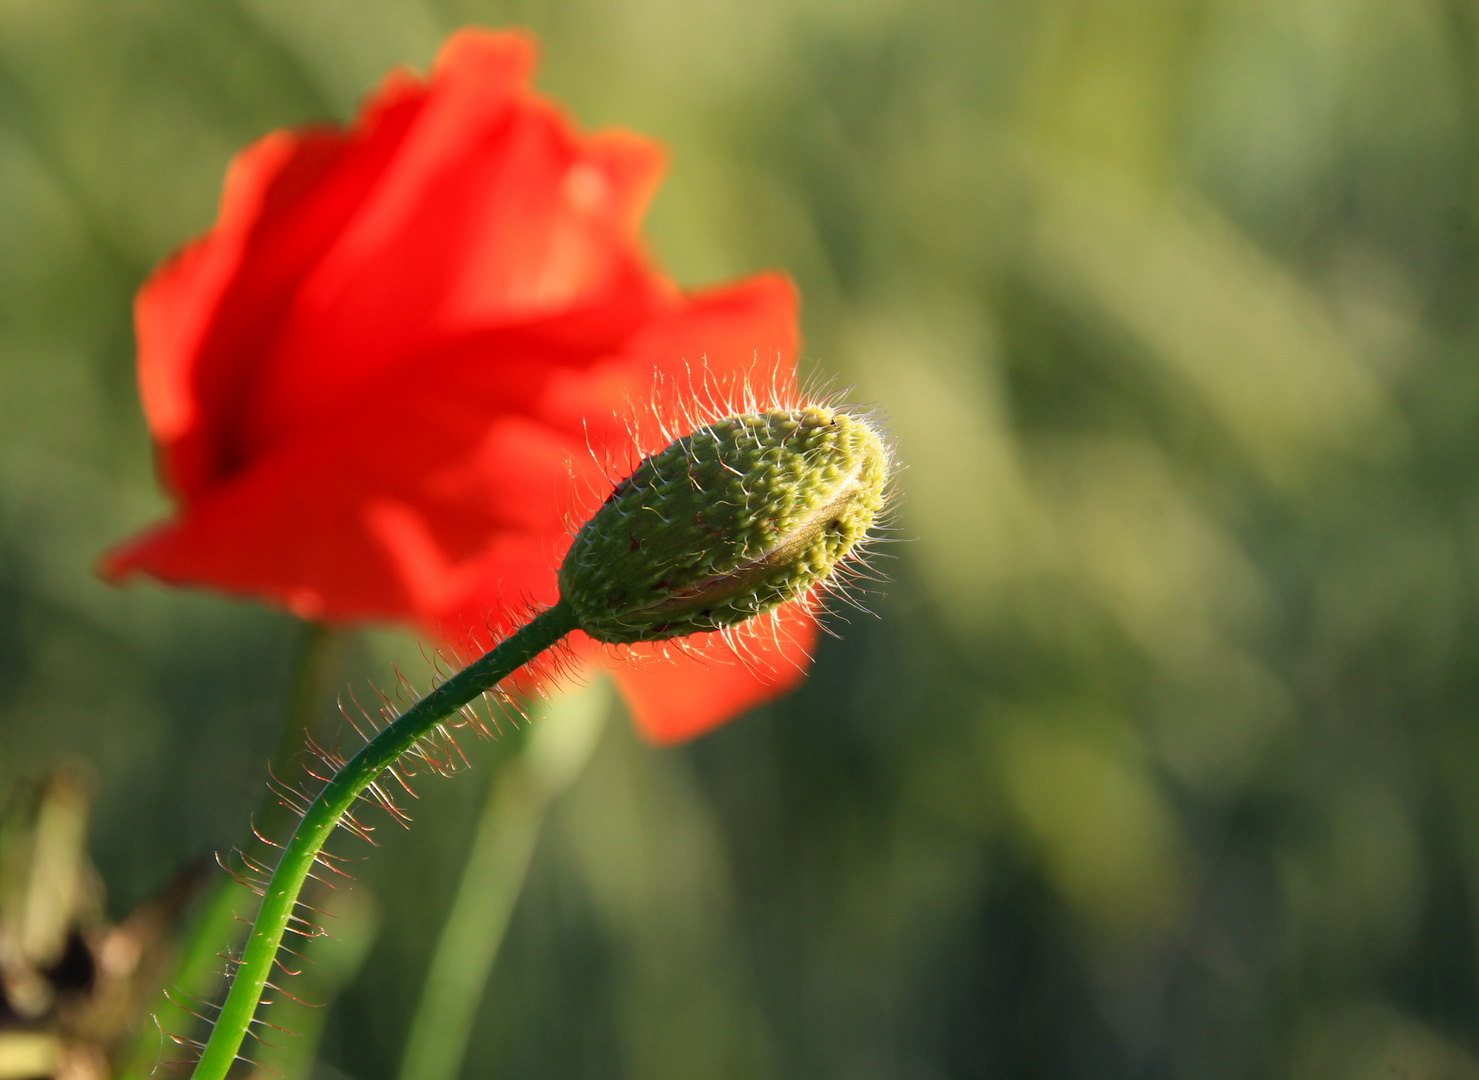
x,y
371,383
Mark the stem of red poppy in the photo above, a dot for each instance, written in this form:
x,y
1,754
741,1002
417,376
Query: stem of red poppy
x,y
327,810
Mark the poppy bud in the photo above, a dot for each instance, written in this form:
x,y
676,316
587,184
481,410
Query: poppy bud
x,y
725,524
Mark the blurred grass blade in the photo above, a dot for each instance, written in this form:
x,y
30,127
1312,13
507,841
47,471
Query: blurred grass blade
x,y
197,977
1243,332
559,745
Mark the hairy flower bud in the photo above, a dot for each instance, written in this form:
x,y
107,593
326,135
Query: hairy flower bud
x,y
726,524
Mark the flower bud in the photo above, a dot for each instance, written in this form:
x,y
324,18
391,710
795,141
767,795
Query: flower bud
x,y
726,524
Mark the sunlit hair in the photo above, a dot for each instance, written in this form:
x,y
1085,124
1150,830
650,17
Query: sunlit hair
x,y
686,403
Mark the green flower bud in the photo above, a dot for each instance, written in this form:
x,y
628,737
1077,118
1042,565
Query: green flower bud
x,y
726,524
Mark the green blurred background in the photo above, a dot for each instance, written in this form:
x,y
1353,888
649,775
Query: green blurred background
x,y
1162,757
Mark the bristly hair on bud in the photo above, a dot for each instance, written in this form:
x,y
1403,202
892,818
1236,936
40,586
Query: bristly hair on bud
x,y
743,515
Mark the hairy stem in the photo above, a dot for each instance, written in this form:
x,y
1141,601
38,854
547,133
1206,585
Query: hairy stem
x,y
334,801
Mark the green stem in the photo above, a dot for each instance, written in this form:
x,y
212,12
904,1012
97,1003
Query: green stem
x,y
334,801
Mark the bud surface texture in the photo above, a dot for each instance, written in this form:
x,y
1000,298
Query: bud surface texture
x,y
727,523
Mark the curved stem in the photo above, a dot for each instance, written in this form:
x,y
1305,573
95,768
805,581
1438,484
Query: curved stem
x,y
333,802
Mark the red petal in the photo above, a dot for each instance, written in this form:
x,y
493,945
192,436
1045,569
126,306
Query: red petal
x,y
402,502
204,318
432,498
727,351
493,211
372,383
679,693
462,203
679,367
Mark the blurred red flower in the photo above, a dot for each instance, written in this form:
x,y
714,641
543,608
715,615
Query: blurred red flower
x,y
371,383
